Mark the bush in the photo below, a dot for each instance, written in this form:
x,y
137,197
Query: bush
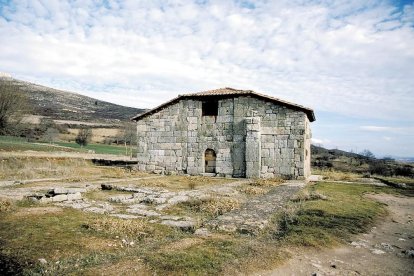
x,y
405,170
84,136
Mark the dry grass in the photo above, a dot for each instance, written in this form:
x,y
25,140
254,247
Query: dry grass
x,y
104,195
37,211
305,195
266,182
75,243
183,244
114,226
132,266
180,182
75,169
211,207
337,175
219,206
5,205
98,134
252,190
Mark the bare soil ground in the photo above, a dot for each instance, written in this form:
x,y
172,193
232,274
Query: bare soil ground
x,y
382,251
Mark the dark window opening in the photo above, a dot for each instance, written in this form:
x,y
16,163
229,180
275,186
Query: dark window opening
x,y
210,108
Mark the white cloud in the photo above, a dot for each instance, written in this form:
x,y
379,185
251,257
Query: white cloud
x,y
376,128
324,142
406,129
344,56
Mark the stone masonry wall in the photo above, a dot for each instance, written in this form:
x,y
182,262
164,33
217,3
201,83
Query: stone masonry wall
x,y
307,149
282,132
176,138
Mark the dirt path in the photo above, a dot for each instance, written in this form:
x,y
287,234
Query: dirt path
x,y
386,250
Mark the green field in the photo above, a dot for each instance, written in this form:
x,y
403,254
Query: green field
x,y
8,143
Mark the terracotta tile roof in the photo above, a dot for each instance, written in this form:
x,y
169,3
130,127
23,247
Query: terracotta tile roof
x,y
219,92
228,91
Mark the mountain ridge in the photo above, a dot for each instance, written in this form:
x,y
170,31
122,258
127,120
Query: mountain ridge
x,y
66,105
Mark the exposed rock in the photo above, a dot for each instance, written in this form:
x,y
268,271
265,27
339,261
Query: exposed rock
x,y
409,253
171,218
75,204
145,213
359,244
178,199
377,252
120,198
103,208
45,199
182,225
138,206
154,199
96,210
163,206
202,232
315,178
75,196
59,198
124,216
385,246
65,191
35,197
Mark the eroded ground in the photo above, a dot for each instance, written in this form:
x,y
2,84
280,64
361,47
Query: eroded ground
x,y
387,249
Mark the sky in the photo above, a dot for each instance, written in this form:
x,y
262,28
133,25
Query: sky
x,y
352,61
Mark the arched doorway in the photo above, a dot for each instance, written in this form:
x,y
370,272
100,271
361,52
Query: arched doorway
x,y
210,161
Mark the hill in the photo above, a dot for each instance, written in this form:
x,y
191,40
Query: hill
x,y
63,105
357,163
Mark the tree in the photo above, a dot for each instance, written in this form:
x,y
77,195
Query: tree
x,y
50,135
12,104
367,153
129,136
84,136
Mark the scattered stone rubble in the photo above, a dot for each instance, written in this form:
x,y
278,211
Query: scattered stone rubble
x,y
151,202
59,195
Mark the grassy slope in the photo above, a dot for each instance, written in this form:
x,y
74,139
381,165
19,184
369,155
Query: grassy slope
x,y
328,222
8,143
315,223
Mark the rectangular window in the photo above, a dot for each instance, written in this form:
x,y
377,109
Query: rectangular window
x,y
210,108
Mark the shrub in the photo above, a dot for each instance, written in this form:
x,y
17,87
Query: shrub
x,y
5,205
84,136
